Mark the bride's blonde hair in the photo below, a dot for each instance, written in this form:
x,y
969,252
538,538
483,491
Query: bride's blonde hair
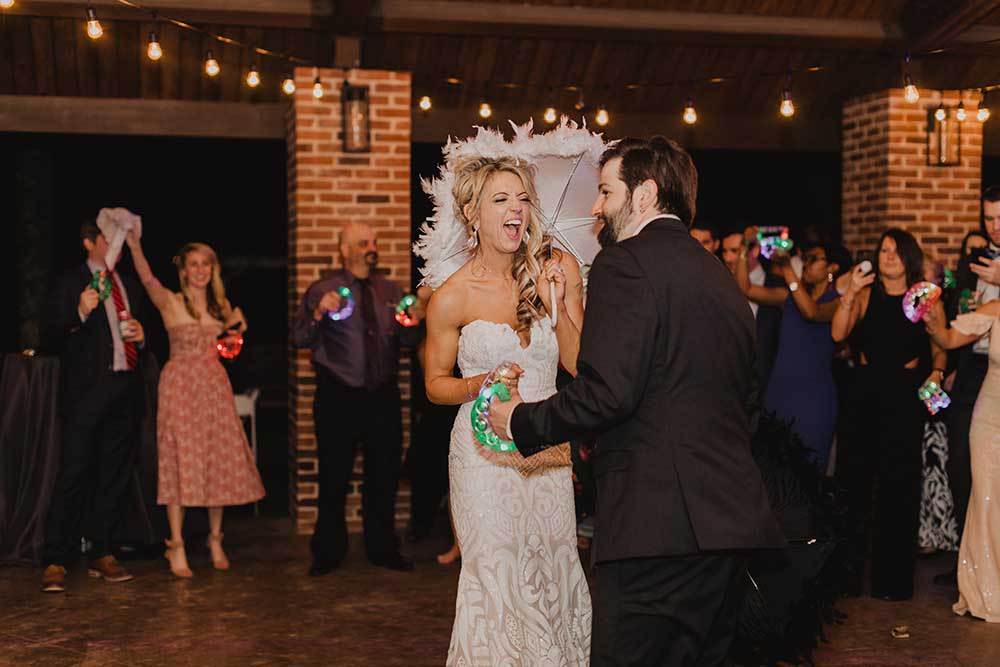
x,y
471,176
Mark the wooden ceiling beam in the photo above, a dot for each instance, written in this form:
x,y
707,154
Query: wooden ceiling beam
x,y
932,24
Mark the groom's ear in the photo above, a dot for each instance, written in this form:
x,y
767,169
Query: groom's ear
x,y
647,194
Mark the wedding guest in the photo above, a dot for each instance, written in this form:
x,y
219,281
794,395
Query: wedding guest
x,y
801,389
356,360
706,234
734,244
99,335
204,458
981,276
886,430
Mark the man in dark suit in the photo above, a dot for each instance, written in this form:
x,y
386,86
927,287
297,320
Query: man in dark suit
x,y
666,382
98,334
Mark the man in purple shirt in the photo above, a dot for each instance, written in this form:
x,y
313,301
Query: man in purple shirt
x,y
356,359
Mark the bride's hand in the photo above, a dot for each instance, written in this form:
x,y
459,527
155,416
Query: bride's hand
x,y
552,272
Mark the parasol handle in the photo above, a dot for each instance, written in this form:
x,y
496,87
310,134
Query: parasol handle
x,y
552,299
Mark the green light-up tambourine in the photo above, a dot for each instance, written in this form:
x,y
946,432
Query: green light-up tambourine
x,y
101,283
481,411
403,315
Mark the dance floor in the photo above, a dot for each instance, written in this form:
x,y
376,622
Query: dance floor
x,y
265,611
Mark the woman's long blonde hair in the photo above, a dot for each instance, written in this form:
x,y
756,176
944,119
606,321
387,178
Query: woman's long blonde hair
x,y
471,176
217,303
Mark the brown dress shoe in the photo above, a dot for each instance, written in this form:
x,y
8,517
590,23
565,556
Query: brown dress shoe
x,y
54,579
108,568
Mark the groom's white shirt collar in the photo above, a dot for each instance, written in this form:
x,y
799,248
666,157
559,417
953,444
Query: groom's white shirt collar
x,y
643,224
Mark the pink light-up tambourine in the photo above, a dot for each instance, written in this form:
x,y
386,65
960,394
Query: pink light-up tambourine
x,y
481,429
346,306
934,397
920,298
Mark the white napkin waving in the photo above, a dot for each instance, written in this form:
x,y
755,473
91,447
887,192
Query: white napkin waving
x,y
115,224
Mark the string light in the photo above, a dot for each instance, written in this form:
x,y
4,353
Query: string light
x,y
485,110
551,115
6,4
940,114
94,29
317,88
960,113
910,91
690,115
153,50
288,86
983,113
211,64
602,118
425,103
787,108
253,77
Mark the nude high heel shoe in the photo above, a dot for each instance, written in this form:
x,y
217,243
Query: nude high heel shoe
x,y
175,552
216,541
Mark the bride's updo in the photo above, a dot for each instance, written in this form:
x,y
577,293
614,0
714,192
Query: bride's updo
x,y
471,176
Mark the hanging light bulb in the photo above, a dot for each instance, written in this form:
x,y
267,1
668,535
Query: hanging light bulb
x,y
787,108
485,110
602,118
960,114
940,114
910,91
983,113
94,29
253,77
551,115
6,4
211,64
317,88
153,50
425,103
690,115
288,86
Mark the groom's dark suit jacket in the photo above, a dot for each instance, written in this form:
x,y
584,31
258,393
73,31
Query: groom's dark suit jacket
x,y
666,381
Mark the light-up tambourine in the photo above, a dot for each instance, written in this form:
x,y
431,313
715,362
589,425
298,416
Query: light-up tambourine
x,y
774,239
229,344
403,315
481,410
934,397
920,298
346,306
101,283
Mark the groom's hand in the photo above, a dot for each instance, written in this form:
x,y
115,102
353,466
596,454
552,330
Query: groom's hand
x,y
500,412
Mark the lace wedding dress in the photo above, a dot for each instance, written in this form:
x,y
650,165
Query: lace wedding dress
x,y
522,596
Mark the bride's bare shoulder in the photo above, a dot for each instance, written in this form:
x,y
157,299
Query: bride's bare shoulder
x,y
448,302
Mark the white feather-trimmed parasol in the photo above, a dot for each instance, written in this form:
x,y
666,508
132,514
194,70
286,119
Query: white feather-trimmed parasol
x,y
566,161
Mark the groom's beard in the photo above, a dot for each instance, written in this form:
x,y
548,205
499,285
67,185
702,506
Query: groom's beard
x,y
614,223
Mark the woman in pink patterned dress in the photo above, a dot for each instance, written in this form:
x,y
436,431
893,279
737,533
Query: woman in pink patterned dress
x,y
204,458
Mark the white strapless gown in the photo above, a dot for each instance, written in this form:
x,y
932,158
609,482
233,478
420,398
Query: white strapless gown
x,y
523,600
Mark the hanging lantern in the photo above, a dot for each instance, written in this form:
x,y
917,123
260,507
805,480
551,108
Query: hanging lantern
x,y
357,119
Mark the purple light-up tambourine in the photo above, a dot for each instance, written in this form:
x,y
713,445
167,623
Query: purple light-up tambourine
x,y
346,306
481,410
934,397
920,298
772,240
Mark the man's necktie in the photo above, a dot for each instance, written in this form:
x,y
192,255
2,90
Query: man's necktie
x,y
131,353
372,361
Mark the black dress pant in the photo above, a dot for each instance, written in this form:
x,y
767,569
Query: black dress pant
x,y
427,463
882,467
344,415
674,612
100,433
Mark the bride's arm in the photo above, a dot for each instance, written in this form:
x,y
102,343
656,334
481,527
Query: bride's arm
x,y
570,319
444,312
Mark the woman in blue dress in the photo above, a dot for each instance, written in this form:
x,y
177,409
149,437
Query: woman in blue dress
x,y
801,390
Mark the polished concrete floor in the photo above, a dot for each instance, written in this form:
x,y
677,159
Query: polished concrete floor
x,y
265,611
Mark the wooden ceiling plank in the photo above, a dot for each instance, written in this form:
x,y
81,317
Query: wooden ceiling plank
x,y
929,24
41,43
24,68
170,63
64,36
8,86
86,56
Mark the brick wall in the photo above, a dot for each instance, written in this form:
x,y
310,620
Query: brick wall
x,y
327,188
888,183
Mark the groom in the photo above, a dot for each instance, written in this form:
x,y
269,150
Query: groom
x,y
666,382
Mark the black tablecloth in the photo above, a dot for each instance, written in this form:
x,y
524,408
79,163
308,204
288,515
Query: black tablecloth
x,y
29,452
29,458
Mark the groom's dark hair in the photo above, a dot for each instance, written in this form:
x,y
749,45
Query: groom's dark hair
x,y
664,162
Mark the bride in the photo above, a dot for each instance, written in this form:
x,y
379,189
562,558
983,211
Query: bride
x,y
522,595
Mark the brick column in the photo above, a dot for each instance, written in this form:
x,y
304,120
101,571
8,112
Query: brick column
x,y
888,183
327,188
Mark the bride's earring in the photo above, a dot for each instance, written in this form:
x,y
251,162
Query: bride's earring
x,y
473,240
829,277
